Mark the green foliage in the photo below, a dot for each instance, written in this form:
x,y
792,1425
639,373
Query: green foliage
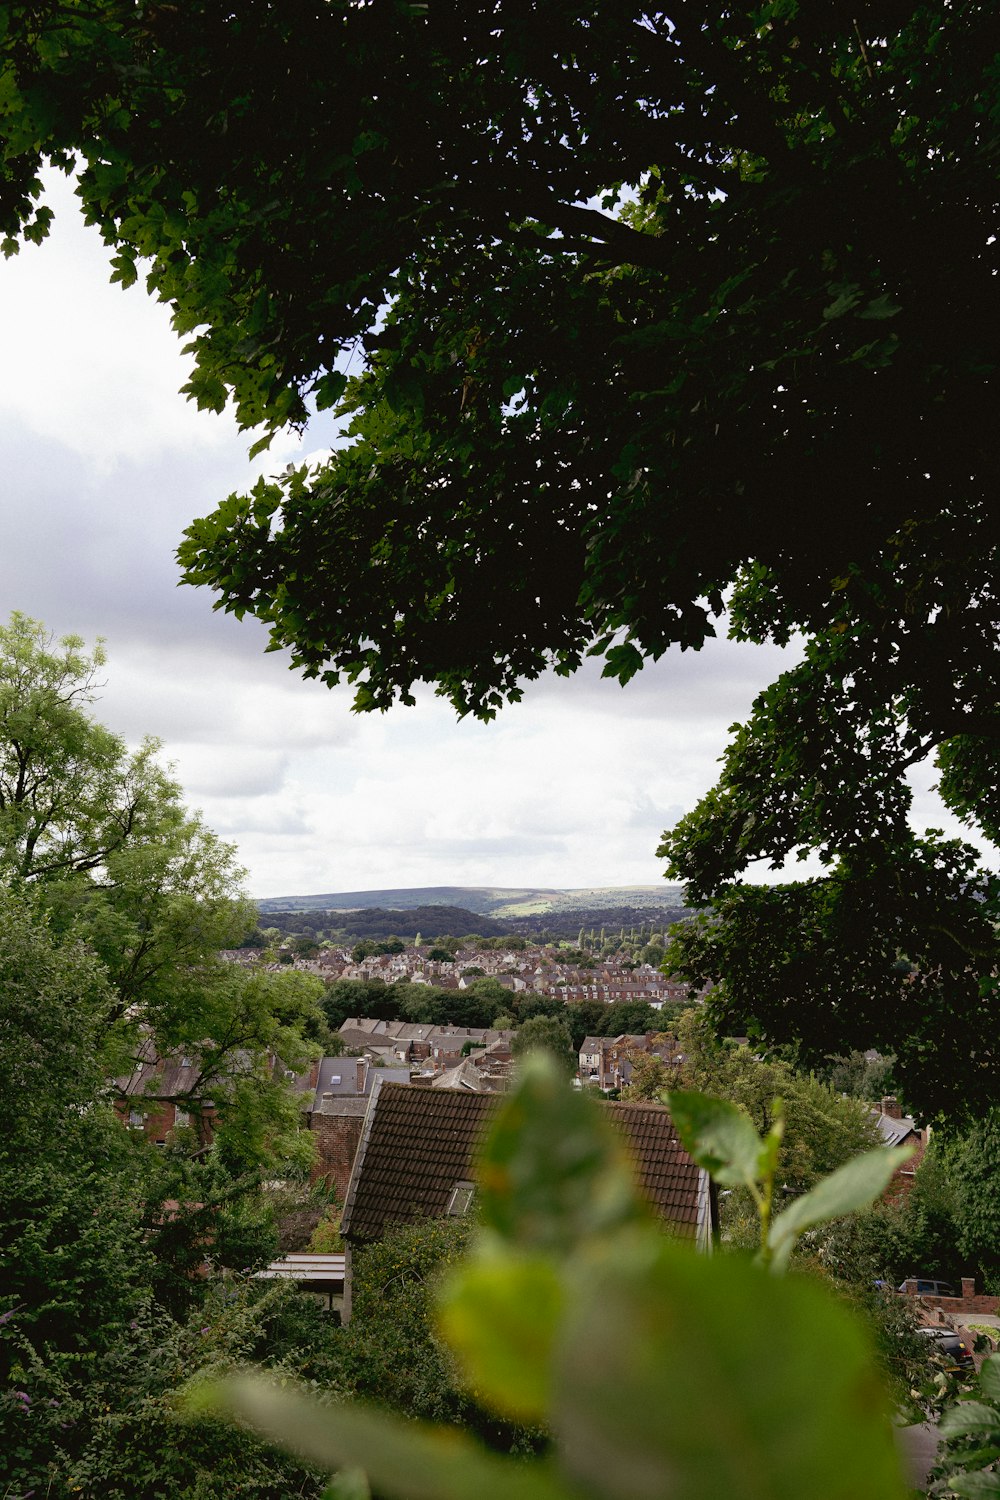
x,y
970,1449
111,1425
325,1238
70,794
894,951
972,1170
820,1129
720,1137
114,901
389,1352
568,1260
861,1075
549,1034
650,1078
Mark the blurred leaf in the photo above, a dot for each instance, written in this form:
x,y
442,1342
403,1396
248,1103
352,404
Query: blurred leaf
x,y
968,1417
500,1315
408,1460
704,1377
349,1484
975,1486
989,1377
552,1172
854,1185
720,1138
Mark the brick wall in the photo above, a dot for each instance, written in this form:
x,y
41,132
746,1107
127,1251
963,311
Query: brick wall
x,y
337,1138
968,1302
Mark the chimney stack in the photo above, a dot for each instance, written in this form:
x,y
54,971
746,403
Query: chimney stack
x,y
891,1107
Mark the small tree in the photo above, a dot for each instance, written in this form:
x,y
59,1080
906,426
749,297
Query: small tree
x,y
547,1034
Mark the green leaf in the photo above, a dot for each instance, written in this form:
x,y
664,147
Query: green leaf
x,y
720,1138
967,1417
706,1378
553,1173
402,1459
881,307
854,1185
500,1315
975,1486
989,1377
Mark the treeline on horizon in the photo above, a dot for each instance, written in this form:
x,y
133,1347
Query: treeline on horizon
x,y
439,921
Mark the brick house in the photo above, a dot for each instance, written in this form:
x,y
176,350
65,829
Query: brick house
x,y
897,1129
343,1089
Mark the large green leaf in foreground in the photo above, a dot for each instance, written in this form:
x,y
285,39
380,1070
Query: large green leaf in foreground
x,y
688,1376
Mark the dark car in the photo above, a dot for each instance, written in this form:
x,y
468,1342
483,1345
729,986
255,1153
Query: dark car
x,y
954,1351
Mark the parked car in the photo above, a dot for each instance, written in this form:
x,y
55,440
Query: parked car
x,y
926,1288
954,1351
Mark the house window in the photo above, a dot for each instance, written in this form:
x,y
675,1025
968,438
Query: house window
x,y
135,1117
461,1198
181,1117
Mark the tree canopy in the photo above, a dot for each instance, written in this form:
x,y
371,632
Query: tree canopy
x,y
636,317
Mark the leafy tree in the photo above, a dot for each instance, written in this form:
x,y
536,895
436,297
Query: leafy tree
x,y
360,997
116,871
70,1183
71,796
625,286
972,1172
120,863
546,1034
650,1079
862,1075
890,952
390,1351
109,1247
822,1129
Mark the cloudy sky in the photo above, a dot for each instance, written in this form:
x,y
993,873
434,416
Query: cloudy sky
x,y
104,464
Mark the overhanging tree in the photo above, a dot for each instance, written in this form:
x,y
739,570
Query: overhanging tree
x,y
649,310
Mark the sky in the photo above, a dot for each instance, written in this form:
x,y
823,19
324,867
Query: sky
x,y
105,463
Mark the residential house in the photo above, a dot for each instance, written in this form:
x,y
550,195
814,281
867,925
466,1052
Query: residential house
x,y
897,1129
606,1060
417,1159
343,1088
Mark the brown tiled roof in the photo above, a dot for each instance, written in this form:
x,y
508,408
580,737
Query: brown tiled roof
x,y
668,1175
419,1142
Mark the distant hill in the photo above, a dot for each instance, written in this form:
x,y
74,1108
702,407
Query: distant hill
x,y
488,901
433,911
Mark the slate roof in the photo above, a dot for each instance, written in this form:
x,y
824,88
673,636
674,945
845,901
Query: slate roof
x,y
418,1143
894,1131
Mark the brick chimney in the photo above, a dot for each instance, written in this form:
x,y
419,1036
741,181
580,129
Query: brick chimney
x,y
361,1068
891,1107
